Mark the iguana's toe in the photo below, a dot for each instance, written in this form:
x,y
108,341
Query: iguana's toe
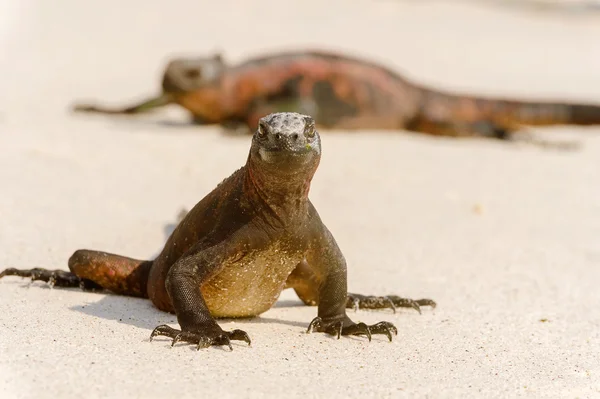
x,y
347,327
203,339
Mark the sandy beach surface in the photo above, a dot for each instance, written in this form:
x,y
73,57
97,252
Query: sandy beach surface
x,y
504,236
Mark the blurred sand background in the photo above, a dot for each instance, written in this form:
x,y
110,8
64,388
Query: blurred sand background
x,y
501,235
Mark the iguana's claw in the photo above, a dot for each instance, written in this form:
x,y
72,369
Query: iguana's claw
x,y
338,328
385,328
202,340
360,328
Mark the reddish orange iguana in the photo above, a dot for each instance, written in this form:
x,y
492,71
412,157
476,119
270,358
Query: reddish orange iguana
x,y
254,235
340,92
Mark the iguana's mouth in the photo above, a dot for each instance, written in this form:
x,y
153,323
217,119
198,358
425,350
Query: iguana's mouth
x,y
279,154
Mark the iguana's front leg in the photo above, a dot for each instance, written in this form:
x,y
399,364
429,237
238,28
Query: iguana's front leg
x,y
329,265
183,286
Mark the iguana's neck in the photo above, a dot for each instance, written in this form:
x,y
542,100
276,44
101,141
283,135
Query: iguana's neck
x,y
283,196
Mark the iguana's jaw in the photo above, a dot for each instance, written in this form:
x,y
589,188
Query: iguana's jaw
x,y
280,157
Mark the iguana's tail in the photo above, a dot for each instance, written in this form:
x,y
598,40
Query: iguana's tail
x,y
504,115
145,106
95,270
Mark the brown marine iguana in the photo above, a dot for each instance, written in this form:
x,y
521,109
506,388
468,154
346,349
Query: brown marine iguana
x,y
232,254
340,92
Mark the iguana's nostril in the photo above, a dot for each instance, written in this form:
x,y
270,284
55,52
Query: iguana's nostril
x,y
278,136
295,137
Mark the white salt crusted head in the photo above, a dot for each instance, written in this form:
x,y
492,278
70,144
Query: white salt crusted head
x,y
283,135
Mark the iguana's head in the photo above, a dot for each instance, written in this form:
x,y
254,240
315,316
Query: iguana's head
x,y
285,147
189,74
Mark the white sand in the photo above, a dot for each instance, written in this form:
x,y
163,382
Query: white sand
x,y
401,206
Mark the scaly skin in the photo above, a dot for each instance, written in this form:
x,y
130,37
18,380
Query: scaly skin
x,y
340,92
232,254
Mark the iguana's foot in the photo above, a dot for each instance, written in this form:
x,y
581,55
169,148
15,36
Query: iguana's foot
x,y
58,278
357,301
203,339
348,327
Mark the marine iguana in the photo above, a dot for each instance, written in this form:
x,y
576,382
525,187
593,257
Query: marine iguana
x,y
232,254
340,92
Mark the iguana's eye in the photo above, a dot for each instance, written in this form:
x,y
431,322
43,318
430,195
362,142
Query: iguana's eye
x,y
310,131
192,73
309,127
